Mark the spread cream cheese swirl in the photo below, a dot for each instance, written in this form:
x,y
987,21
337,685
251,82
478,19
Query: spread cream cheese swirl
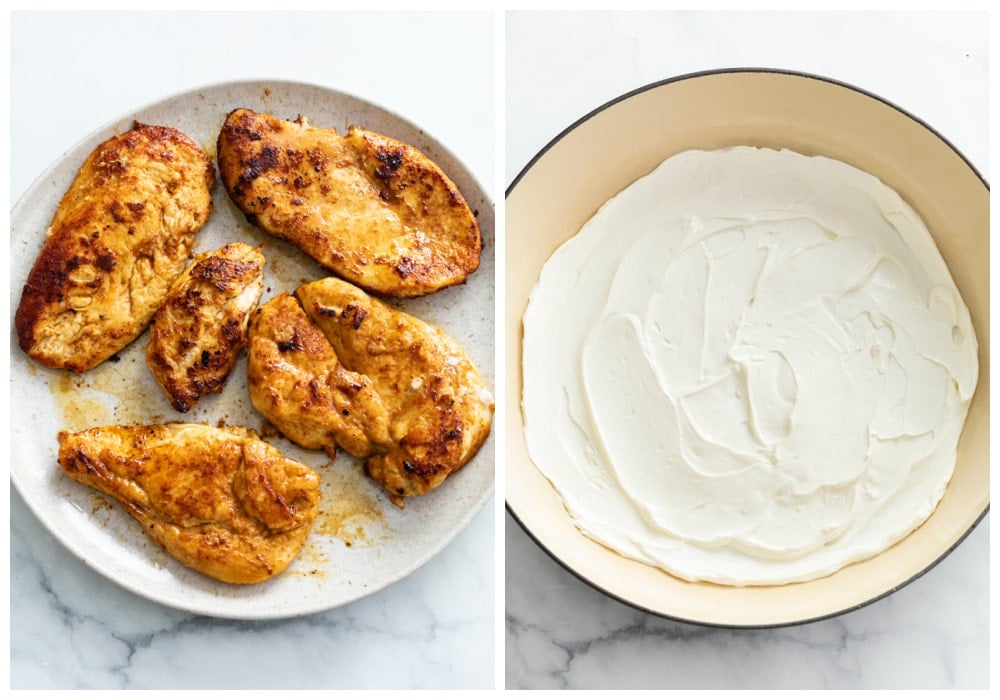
x,y
750,367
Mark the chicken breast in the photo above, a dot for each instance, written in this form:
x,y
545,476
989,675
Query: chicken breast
x,y
296,381
120,236
371,209
418,409
201,326
220,500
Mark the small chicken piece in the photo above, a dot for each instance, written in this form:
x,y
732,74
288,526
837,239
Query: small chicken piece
x,y
437,408
120,236
371,209
220,500
199,330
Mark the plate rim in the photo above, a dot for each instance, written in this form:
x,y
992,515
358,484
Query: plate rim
x,y
476,505
693,76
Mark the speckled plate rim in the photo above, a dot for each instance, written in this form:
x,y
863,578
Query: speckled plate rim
x,y
479,198
513,348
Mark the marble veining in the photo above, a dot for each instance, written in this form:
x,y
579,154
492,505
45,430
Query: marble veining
x,y
560,633
72,628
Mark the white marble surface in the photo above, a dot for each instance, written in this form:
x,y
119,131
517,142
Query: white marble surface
x,y
560,633
70,627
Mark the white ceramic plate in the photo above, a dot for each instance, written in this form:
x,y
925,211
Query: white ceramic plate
x,y
360,543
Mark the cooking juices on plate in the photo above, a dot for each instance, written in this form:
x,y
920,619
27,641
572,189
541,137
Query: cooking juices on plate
x,y
750,367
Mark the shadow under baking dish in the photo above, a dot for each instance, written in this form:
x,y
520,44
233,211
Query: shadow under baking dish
x,y
561,188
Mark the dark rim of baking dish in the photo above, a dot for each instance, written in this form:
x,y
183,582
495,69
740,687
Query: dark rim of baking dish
x,y
677,79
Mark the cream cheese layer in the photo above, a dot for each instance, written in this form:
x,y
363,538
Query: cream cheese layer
x,y
749,367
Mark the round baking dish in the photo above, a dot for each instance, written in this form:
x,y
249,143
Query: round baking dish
x,y
608,149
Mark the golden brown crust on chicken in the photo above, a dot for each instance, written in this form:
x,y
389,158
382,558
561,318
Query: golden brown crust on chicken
x,y
220,500
120,235
436,410
201,326
369,208
296,382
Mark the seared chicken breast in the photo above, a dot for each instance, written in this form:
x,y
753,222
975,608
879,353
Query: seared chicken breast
x,y
380,383
373,210
120,236
220,500
201,326
296,381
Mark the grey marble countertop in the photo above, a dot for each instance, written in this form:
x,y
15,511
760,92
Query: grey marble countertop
x,y
560,633
72,628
